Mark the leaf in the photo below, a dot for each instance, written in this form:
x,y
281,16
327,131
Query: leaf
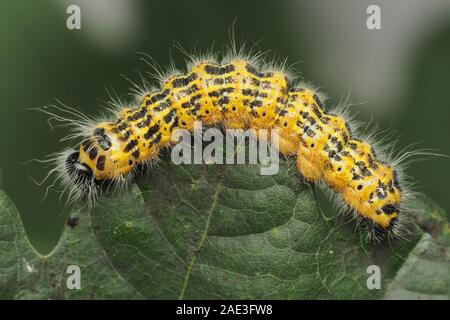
x,y
25,274
216,232
426,273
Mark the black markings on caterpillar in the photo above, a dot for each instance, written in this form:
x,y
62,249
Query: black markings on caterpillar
x,y
240,92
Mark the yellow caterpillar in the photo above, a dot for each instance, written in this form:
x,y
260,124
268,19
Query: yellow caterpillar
x,y
238,94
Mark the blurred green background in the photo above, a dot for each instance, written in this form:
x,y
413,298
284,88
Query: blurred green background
x,y
400,72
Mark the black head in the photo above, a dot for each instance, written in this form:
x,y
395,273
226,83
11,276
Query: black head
x,y
80,173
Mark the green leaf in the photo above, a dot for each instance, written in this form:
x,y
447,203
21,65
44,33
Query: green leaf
x,y
426,273
218,232
25,274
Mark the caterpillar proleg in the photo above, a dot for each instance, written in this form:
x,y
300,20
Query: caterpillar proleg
x,y
237,92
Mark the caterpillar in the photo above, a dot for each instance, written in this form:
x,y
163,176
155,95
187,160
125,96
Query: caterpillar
x,y
236,92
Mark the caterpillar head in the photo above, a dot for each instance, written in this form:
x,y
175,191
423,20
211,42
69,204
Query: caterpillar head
x,y
376,198
368,187
104,155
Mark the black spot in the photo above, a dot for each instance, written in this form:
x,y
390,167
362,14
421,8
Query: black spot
x,y
390,187
159,96
184,81
87,144
161,106
326,120
127,134
216,70
151,131
229,80
345,137
130,145
214,94
100,165
102,138
138,115
317,100
186,104
390,209
122,126
281,100
352,145
144,123
223,100
174,123
372,164
312,121
168,117
255,82
209,69
363,168
195,98
228,68
93,153
194,88
136,154
256,103
251,69
317,111
305,115
157,138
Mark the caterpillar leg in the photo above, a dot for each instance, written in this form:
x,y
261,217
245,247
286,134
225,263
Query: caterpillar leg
x,y
308,169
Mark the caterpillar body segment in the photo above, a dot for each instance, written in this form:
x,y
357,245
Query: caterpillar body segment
x,y
238,95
